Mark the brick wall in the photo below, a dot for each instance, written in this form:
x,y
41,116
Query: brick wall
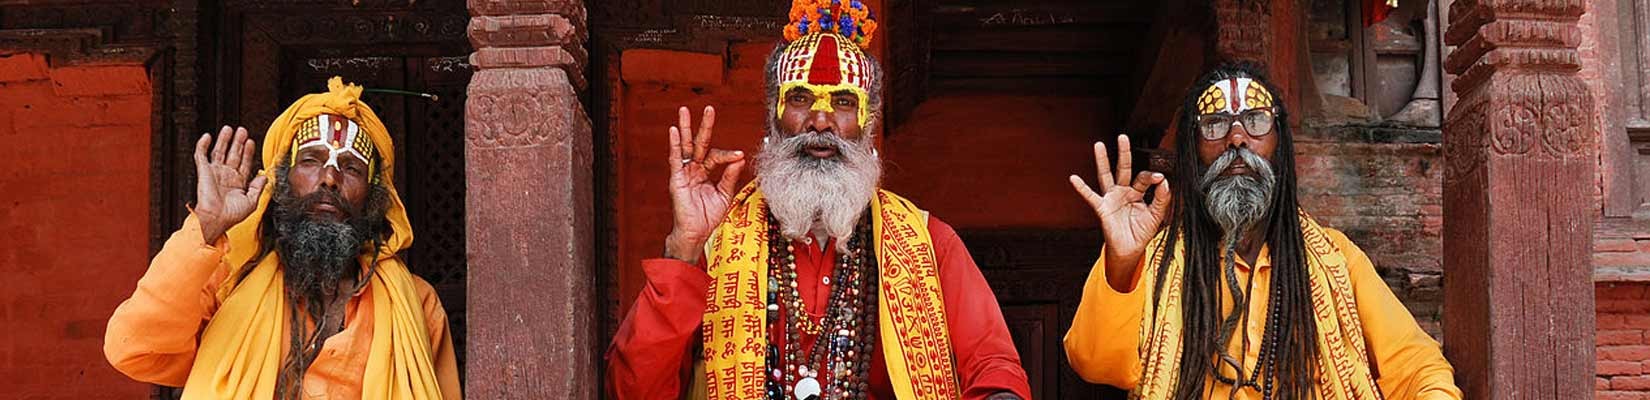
x,y
1383,187
1623,340
74,221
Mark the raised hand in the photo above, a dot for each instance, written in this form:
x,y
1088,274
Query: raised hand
x,y
223,197
1126,221
699,202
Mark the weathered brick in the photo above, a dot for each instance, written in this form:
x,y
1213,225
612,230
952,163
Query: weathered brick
x,y
1621,290
1621,395
1624,353
1616,368
1614,245
1634,306
1620,337
1630,383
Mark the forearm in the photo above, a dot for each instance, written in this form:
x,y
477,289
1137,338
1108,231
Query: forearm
x,y
152,335
1102,345
652,343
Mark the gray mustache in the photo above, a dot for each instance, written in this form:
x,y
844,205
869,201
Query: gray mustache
x,y
1255,162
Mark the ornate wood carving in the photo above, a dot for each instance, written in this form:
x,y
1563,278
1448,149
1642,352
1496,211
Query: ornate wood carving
x,y
528,144
1519,220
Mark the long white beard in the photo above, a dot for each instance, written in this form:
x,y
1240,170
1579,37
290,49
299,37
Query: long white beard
x,y
808,194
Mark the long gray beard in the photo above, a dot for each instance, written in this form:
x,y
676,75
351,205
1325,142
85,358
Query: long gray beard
x,y
809,194
1238,202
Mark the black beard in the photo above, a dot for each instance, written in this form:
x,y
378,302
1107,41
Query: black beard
x,y
317,255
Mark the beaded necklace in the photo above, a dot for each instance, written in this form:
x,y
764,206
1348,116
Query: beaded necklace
x,y
841,335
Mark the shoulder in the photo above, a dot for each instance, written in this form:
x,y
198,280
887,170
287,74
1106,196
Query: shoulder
x,y
1340,240
938,228
427,296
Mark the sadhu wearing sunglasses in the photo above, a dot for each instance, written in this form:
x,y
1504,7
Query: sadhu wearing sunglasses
x,y
1223,287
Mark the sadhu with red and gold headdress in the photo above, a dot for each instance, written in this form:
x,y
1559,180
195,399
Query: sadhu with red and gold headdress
x,y
288,284
811,282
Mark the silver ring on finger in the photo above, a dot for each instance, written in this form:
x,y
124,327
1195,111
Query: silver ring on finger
x,y
687,161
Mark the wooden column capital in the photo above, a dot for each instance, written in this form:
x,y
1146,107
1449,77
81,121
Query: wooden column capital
x,y
1521,155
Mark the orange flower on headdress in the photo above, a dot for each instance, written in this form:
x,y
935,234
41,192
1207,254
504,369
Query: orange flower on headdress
x,y
851,19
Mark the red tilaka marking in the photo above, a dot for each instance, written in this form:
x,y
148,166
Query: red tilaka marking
x,y
1232,99
827,68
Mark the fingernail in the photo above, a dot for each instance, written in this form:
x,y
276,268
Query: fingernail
x,y
739,153
1158,176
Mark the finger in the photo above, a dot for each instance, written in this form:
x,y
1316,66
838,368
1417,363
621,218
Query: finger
x,y
730,177
246,156
1144,181
684,127
201,150
256,187
1125,161
1103,166
233,155
1083,190
222,144
675,150
1160,201
719,157
701,140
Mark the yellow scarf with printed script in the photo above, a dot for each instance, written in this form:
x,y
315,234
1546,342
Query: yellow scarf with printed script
x,y
244,344
1343,358
910,308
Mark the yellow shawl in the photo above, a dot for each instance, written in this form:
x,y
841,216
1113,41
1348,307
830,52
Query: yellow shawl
x,y
243,345
1343,358
910,308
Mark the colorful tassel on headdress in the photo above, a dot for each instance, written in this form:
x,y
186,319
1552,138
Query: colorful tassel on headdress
x,y
849,18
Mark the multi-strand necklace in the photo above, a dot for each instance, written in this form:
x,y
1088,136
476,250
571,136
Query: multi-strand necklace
x,y
840,356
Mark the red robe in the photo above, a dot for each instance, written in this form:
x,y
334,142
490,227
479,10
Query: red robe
x,y
649,357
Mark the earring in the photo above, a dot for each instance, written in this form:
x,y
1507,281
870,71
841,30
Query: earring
x,y
764,140
873,152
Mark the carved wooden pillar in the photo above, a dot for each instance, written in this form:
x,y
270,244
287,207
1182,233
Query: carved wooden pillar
x,y
1518,206
532,310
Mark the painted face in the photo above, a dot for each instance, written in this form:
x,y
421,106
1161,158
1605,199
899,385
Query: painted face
x,y
1240,101
340,137
824,63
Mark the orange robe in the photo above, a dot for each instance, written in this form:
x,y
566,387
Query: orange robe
x,y
650,356
153,335
1104,340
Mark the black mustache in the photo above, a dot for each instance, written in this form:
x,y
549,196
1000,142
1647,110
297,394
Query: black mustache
x,y
329,196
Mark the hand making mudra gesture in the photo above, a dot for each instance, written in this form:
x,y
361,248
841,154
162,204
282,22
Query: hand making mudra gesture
x,y
223,196
699,198
1127,222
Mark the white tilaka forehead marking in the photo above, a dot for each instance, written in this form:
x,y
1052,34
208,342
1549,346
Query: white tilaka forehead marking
x,y
334,143
1236,94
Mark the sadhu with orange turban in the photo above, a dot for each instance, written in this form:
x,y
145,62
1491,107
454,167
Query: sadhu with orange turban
x,y
290,285
811,282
